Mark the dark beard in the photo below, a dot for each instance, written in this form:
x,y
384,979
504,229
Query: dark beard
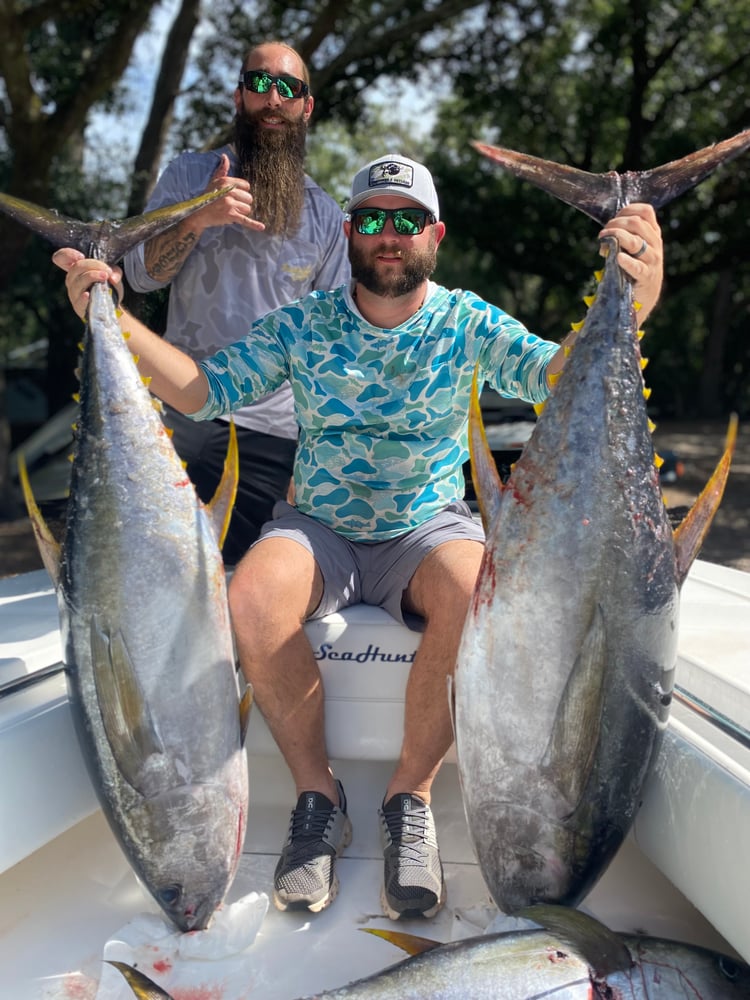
x,y
418,265
273,161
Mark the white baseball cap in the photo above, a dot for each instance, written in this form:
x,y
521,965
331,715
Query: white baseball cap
x,y
395,174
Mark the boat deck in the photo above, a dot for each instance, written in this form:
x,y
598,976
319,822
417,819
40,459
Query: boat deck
x,y
67,889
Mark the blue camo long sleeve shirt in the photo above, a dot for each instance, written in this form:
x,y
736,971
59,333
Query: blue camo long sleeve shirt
x,y
382,414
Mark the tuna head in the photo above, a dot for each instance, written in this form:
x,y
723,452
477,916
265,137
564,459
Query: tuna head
x,y
565,666
185,848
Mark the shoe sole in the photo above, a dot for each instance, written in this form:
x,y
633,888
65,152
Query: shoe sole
x,y
414,912
301,903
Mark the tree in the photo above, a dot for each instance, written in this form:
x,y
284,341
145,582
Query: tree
x,y
56,63
602,86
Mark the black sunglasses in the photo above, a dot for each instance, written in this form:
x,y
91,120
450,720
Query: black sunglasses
x,y
260,82
406,221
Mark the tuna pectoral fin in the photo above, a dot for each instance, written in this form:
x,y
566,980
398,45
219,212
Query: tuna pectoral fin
x,y
689,536
577,726
409,943
49,548
246,703
487,484
222,502
143,987
603,950
125,714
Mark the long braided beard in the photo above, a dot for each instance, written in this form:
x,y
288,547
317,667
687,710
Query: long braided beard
x,y
273,161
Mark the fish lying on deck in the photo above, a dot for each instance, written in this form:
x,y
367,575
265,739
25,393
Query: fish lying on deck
x,y
565,668
143,612
576,959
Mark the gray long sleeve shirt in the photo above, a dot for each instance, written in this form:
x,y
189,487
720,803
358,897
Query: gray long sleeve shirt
x,y
234,276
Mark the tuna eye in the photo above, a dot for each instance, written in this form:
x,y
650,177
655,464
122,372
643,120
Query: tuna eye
x,y
729,968
170,895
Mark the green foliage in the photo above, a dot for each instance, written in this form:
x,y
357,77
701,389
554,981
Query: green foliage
x,y
600,85
621,86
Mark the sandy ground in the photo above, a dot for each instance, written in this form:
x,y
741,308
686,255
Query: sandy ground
x,y
698,444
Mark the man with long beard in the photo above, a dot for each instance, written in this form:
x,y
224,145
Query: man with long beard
x,y
274,238
382,370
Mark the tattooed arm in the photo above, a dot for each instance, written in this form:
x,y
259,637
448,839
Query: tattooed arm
x,y
165,254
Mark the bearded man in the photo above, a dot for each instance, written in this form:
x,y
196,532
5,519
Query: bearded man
x,y
274,238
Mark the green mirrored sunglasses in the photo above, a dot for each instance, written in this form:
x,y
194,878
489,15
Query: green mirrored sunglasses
x,y
260,82
406,221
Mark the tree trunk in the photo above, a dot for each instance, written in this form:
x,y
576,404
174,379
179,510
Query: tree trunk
x,y
710,394
166,89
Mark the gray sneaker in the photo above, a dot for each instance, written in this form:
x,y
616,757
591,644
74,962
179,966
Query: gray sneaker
x,y
413,883
305,877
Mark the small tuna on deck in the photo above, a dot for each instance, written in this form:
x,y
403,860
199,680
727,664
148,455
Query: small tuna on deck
x,y
565,669
143,611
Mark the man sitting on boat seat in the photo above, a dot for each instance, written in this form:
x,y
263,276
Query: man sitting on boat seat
x,y
381,373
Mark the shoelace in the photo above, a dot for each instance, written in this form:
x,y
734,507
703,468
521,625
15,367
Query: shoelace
x,y
309,824
408,834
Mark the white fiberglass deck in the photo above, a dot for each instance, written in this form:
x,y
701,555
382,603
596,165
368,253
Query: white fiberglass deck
x,y
66,888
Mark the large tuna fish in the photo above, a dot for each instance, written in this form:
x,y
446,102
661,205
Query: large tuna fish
x,y
578,959
565,667
143,611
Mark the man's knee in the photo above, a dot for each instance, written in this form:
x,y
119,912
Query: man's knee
x,y
275,575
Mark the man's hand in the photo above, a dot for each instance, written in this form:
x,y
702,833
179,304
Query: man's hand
x,y
81,274
235,207
641,252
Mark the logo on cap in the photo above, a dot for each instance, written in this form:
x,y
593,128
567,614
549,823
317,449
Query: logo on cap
x,y
391,173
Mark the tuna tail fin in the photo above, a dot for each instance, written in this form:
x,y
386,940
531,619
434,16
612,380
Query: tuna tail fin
x,y
601,196
221,504
604,951
49,547
108,241
143,987
484,474
690,534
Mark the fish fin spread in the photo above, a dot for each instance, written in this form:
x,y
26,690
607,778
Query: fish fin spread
x,y
221,504
603,950
143,987
125,715
487,484
601,196
246,704
689,536
409,943
110,240
49,547
577,726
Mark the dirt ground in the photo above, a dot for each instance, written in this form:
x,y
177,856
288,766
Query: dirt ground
x,y
698,444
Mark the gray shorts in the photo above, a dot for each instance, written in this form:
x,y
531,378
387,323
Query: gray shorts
x,y
370,572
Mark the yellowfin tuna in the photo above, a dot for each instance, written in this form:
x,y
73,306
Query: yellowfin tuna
x,y
565,669
143,611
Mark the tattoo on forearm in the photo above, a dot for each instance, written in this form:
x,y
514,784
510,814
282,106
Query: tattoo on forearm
x,y
165,255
